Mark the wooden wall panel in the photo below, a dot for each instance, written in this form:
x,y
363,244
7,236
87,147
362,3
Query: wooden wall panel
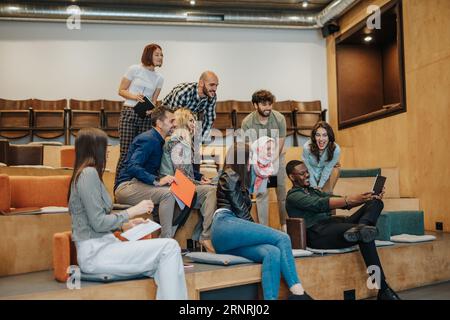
x,y
415,141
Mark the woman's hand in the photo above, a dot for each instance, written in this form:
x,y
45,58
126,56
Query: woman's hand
x,y
132,223
139,97
143,207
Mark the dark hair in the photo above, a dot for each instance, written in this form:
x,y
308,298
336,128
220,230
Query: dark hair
x,y
263,96
90,151
291,165
234,161
147,54
159,113
331,145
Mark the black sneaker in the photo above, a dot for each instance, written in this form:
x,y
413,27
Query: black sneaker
x,y
303,296
362,233
387,294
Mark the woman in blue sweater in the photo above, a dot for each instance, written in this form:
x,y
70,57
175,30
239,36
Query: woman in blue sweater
x,y
321,156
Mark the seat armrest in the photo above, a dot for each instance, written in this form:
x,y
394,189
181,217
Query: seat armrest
x,y
296,230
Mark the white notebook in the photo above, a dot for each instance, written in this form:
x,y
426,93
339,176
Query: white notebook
x,y
141,230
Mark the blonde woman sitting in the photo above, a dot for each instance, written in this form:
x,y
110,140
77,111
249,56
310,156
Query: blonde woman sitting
x,y
178,154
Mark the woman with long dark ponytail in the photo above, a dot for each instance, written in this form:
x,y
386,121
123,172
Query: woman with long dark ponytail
x,y
98,250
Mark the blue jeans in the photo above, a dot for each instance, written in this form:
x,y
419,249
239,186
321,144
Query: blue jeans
x,y
259,243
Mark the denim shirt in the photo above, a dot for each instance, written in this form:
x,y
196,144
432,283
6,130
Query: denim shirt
x,y
90,208
319,171
143,159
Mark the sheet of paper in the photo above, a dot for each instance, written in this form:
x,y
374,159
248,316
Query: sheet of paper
x,y
141,230
54,209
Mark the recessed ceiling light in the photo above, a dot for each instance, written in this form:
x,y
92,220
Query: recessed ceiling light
x,y
12,8
305,4
368,39
192,2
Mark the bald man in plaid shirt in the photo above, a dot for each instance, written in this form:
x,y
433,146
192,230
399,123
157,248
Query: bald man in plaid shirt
x,y
198,97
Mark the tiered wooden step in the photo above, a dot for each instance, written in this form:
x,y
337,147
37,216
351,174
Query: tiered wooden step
x,y
324,277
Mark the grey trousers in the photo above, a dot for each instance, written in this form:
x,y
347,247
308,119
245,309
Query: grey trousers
x,y
134,191
262,199
207,203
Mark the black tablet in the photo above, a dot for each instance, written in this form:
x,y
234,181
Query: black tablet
x,y
378,185
141,108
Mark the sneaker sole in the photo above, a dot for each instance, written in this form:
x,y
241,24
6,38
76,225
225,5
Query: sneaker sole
x,y
368,234
352,237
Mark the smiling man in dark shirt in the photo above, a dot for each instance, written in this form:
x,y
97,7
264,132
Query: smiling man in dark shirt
x,y
327,232
139,177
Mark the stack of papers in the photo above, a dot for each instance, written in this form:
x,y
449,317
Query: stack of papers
x,y
141,230
51,209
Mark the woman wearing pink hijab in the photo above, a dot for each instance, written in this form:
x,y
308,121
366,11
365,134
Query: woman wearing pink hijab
x,y
262,157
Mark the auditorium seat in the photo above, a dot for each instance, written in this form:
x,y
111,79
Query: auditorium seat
x,y
285,108
21,192
49,118
84,114
15,118
111,115
225,116
65,253
19,155
306,115
243,109
67,158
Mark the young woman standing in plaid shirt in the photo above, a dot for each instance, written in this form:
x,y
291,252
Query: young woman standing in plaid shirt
x,y
140,80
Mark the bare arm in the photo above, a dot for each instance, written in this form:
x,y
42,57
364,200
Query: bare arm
x,y
155,95
123,91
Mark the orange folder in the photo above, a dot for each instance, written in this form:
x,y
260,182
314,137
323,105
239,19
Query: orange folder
x,y
184,188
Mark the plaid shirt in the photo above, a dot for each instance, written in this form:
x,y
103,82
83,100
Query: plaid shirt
x,y
186,95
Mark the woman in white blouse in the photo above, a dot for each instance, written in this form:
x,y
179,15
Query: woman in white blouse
x,y
140,80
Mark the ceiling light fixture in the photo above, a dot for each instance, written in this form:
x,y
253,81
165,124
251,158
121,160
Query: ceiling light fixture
x,y
192,2
305,4
368,39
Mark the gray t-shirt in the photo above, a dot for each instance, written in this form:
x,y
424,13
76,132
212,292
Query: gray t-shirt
x,y
274,128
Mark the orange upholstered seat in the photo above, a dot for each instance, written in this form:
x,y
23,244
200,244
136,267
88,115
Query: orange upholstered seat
x,y
32,192
65,253
68,158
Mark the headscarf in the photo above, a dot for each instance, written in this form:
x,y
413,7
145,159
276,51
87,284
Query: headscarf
x,y
261,158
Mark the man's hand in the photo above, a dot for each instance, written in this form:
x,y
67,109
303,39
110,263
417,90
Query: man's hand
x,y
379,196
167,180
358,199
143,207
205,180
